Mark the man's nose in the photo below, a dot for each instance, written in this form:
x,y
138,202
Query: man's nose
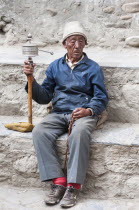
x,y
77,44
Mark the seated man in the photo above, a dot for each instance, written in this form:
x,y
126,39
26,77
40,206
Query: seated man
x,y
75,85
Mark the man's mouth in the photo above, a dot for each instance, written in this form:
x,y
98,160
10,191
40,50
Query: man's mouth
x,y
76,52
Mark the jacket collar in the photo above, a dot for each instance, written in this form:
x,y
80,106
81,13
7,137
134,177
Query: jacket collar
x,y
84,60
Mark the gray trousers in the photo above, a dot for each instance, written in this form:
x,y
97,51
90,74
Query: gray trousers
x,y
45,135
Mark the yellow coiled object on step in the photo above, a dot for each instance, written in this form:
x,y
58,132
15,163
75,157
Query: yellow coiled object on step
x,y
21,126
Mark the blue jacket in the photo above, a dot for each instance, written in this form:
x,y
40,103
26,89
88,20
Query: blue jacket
x,y
69,89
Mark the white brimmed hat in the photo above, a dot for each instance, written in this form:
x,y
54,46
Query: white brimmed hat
x,y
73,28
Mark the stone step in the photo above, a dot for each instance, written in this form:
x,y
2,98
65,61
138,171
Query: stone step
x,y
113,170
14,198
113,58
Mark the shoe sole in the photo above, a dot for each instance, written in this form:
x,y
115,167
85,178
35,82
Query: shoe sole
x,y
68,206
51,204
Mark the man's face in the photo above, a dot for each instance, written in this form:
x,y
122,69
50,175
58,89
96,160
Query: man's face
x,y
74,45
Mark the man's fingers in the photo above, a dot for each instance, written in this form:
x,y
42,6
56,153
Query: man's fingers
x,y
81,112
31,69
28,71
76,110
77,113
28,68
27,63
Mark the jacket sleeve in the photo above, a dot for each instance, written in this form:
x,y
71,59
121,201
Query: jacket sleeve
x,y
99,100
43,94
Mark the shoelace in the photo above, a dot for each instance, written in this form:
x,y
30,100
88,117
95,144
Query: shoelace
x,y
53,188
69,192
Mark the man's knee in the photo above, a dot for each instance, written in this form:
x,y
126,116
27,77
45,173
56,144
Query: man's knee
x,y
82,127
79,130
36,130
38,134
42,133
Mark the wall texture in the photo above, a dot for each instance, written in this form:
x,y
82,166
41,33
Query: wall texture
x,y
109,23
121,83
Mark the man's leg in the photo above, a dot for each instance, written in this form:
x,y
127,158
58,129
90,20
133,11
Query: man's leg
x,y
44,139
79,145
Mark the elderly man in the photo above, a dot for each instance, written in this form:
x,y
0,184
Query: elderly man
x,y
75,85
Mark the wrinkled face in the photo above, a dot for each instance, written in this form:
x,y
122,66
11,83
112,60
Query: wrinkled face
x,y
74,45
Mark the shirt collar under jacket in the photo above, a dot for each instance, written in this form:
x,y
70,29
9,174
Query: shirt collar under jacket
x,y
72,65
84,60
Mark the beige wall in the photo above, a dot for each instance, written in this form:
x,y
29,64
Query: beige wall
x,y
108,22
121,83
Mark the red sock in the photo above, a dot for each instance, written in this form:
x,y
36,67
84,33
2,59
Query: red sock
x,y
75,185
60,181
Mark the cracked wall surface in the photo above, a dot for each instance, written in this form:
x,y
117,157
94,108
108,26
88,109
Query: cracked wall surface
x,y
109,23
121,83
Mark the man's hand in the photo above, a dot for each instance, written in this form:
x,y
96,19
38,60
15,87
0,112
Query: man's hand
x,y
81,112
28,68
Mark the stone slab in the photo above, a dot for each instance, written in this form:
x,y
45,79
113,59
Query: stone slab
x,y
113,170
112,133
13,198
14,119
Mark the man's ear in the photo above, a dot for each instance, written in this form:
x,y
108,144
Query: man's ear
x,y
65,44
